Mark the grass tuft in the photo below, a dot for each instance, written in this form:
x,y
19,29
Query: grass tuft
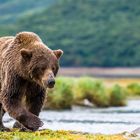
x,y
133,89
61,96
117,96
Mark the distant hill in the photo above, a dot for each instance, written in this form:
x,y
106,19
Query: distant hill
x,y
91,32
11,10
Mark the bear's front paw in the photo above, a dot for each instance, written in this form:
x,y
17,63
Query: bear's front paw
x,y
20,127
33,123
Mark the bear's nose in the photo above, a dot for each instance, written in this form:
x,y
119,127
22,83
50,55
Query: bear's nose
x,y
51,83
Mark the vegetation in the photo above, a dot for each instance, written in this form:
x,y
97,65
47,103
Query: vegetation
x,y
10,15
93,90
117,96
56,135
91,33
71,91
61,96
134,89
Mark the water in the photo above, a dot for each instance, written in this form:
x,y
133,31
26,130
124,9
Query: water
x,y
104,120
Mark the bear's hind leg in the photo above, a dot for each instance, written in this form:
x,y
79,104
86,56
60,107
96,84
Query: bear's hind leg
x,y
2,127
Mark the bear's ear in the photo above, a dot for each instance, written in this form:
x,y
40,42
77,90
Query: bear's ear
x,y
58,53
26,54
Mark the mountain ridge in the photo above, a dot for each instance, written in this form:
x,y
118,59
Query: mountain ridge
x,y
91,33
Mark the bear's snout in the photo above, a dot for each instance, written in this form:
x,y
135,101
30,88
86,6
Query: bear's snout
x,y
51,83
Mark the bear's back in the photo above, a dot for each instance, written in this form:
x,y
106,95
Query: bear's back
x,y
5,39
4,42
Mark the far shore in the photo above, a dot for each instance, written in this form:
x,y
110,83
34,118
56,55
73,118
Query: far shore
x,y
117,72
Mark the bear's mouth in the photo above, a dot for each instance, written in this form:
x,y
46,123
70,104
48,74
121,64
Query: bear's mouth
x,y
50,86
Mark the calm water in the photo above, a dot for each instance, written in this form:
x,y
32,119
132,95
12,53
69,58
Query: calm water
x,y
104,120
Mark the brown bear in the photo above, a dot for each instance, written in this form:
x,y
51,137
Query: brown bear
x,y
27,68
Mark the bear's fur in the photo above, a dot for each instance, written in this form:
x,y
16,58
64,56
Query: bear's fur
x,y
27,68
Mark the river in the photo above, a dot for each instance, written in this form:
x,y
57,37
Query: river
x,y
102,120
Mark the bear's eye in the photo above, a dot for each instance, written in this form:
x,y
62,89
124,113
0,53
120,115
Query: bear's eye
x,y
43,68
53,68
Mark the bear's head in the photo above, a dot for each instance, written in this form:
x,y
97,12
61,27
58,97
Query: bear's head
x,y
39,62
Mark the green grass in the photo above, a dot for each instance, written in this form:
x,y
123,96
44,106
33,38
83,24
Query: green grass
x,y
133,89
55,135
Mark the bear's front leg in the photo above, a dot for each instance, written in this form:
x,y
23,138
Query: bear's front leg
x,y
11,102
26,118
35,96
